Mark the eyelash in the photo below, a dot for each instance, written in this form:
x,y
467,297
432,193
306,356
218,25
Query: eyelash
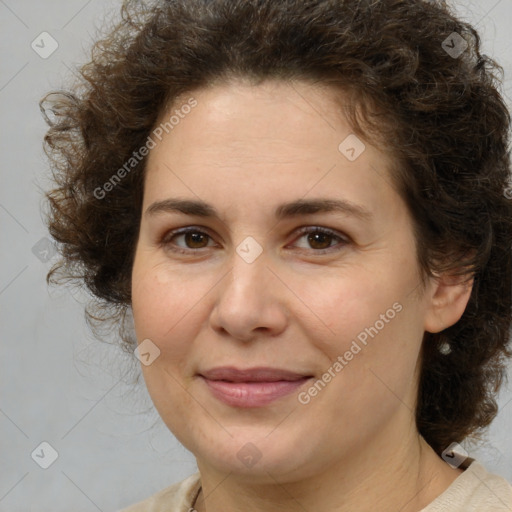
x,y
166,239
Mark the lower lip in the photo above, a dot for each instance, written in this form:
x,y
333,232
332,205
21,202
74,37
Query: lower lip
x,y
252,394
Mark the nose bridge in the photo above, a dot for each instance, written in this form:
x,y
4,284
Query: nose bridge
x,y
248,299
249,272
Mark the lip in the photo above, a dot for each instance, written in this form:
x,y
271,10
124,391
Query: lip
x,y
252,387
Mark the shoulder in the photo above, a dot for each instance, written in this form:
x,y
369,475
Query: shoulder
x,y
475,490
175,498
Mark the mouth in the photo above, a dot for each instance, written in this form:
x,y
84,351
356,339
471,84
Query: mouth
x,y
253,387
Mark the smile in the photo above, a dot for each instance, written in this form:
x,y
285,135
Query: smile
x,y
253,387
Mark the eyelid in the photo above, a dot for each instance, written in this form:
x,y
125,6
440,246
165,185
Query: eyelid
x,y
165,240
321,229
343,239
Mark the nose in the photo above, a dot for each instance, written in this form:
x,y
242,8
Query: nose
x,y
250,301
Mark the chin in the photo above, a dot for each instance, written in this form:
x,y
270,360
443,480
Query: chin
x,y
258,458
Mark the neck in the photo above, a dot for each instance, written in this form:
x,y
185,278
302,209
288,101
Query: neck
x,y
403,475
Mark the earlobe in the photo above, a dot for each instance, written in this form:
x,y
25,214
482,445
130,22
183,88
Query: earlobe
x,y
448,298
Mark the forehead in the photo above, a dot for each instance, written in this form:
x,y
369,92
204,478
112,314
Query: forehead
x,y
249,118
273,139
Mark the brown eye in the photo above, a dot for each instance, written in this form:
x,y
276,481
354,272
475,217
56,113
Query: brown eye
x,y
193,239
321,239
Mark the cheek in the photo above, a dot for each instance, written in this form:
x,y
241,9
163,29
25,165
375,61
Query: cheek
x,y
163,311
374,324
160,299
370,364
351,306
169,307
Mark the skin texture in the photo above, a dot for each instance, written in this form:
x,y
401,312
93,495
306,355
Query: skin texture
x,y
245,150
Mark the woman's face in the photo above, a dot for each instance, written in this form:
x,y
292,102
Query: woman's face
x,y
289,333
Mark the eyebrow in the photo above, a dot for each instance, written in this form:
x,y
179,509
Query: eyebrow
x,y
287,210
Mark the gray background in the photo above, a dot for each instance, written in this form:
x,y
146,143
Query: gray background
x,y
59,384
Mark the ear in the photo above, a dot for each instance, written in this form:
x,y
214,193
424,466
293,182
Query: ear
x,y
446,301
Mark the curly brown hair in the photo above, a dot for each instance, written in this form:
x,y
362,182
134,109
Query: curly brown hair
x,y
422,90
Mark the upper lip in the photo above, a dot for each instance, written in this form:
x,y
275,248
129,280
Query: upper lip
x,y
259,374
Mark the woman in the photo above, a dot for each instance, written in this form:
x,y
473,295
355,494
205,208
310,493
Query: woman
x,y
304,206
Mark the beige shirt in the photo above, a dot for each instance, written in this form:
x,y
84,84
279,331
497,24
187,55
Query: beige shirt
x,y
475,490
